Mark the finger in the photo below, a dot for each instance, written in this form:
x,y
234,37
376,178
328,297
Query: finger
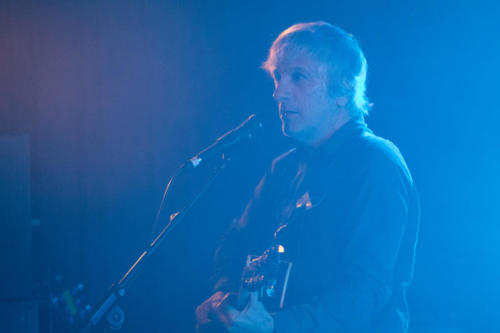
x,y
202,313
222,304
217,296
216,299
225,300
204,310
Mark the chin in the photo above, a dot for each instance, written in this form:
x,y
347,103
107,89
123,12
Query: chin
x,y
290,132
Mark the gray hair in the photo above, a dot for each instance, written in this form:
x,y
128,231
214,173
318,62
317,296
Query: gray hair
x,y
346,62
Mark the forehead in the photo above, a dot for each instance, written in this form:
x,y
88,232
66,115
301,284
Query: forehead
x,y
287,57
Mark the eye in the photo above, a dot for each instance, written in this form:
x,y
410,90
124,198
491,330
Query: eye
x,y
297,76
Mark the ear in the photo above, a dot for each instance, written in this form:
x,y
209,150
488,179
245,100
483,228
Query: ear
x,y
343,99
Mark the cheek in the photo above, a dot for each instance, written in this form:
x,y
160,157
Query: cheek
x,y
314,99
306,95
322,96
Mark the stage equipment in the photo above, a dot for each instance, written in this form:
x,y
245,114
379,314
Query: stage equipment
x,y
220,151
246,131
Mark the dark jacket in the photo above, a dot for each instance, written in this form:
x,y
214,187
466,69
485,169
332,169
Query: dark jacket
x,y
353,246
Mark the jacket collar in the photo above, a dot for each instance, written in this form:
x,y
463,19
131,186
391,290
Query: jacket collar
x,y
350,130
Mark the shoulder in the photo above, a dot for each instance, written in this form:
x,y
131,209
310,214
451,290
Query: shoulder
x,y
385,169
381,154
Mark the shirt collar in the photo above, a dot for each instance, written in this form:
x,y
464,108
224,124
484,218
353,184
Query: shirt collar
x,y
351,129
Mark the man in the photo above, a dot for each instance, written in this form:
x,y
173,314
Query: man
x,y
345,194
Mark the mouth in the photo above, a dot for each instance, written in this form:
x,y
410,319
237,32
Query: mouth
x,y
287,113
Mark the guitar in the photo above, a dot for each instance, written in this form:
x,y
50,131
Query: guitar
x,y
267,274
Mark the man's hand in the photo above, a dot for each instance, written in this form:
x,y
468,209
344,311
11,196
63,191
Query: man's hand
x,y
204,311
254,318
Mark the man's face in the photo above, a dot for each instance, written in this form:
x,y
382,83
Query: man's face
x,y
308,111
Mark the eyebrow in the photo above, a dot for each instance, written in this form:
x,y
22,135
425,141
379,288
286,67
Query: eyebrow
x,y
302,69
293,69
274,70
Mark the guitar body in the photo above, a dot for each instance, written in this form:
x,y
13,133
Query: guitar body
x,y
267,275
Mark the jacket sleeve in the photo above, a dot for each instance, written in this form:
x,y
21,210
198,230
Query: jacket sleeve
x,y
240,240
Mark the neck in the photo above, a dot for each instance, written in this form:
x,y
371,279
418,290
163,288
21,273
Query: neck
x,y
333,126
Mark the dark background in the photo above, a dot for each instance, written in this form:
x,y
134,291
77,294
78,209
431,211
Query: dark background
x,y
114,95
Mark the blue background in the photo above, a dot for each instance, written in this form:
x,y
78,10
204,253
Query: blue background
x,y
114,95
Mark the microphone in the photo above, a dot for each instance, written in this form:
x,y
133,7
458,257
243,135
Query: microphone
x,y
246,131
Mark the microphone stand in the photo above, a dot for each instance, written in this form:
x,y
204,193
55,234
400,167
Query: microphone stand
x,y
108,307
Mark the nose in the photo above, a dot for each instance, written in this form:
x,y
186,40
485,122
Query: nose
x,y
281,91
